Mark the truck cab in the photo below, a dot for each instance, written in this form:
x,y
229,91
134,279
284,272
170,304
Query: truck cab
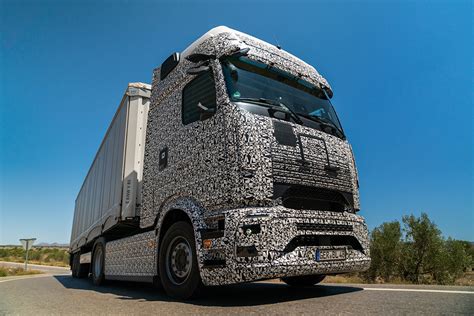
x,y
243,138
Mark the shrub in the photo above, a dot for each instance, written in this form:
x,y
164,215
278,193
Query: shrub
x,y
385,251
419,255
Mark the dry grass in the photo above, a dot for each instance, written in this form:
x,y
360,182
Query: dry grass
x,y
7,271
52,256
43,263
467,279
343,278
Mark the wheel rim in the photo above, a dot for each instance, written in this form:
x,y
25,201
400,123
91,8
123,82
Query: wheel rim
x,y
178,260
98,261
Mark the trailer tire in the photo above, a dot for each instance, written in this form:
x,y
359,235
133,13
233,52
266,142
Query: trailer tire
x,y
178,267
304,280
98,262
75,265
79,270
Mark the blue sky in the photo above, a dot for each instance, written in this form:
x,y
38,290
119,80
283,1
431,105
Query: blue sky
x,y
401,72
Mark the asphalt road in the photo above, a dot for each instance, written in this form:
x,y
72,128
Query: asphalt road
x,y
60,294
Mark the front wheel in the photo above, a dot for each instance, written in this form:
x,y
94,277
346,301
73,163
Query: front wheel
x,y
178,268
304,280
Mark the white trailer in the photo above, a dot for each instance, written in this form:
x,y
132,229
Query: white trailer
x,y
109,196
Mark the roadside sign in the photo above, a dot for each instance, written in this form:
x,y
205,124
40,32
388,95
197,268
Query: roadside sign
x,y
27,244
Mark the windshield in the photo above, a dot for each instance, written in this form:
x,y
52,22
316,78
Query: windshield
x,y
252,81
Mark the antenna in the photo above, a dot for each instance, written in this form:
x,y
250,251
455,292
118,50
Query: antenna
x,y
276,40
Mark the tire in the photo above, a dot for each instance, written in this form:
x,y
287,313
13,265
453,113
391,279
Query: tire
x,y
79,270
98,262
304,280
178,268
75,265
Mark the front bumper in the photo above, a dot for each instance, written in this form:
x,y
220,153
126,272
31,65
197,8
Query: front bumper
x,y
272,242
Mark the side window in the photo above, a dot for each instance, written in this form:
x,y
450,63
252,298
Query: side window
x,y
200,90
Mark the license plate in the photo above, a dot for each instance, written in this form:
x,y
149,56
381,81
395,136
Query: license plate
x,y
330,254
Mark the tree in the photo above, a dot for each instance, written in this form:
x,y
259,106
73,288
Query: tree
x,y
457,258
385,251
469,248
421,256
423,249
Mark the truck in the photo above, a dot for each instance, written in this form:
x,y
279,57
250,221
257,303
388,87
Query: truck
x,y
231,167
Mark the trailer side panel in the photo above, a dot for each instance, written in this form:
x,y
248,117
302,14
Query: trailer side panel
x,y
109,192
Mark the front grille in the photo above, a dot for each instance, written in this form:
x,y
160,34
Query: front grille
x,y
323,240
288,168
324,227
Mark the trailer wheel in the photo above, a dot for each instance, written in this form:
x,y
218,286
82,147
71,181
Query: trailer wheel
x,y
98,262
178,268
79,270
75,265
304,280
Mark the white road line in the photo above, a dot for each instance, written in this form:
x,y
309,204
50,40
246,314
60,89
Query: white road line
x,y
416,290
26,277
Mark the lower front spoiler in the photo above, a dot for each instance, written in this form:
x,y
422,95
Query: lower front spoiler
x,y
298,263
271,242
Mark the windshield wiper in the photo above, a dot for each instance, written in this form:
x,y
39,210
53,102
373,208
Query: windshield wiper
x,y
322,121
276,106
279,106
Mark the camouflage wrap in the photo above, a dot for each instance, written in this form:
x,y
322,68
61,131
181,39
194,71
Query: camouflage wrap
x,y
226,167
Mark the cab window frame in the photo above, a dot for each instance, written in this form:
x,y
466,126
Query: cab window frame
x,y
192,105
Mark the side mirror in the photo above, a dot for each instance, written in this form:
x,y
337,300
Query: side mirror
x,y
205,111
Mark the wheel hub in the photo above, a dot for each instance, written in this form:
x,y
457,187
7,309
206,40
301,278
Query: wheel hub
x,y
179,260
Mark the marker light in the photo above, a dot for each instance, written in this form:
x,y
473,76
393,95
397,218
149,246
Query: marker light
x,y
207,243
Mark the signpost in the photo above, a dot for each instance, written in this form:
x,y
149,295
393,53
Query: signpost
x,y
27,244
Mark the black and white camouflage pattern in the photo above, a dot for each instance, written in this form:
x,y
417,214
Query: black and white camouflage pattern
x,y
225,167
278,228
135,255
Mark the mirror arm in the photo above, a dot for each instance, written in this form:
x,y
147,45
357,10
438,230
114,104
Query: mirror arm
x,y
197,70
205,109
237,53
196,57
